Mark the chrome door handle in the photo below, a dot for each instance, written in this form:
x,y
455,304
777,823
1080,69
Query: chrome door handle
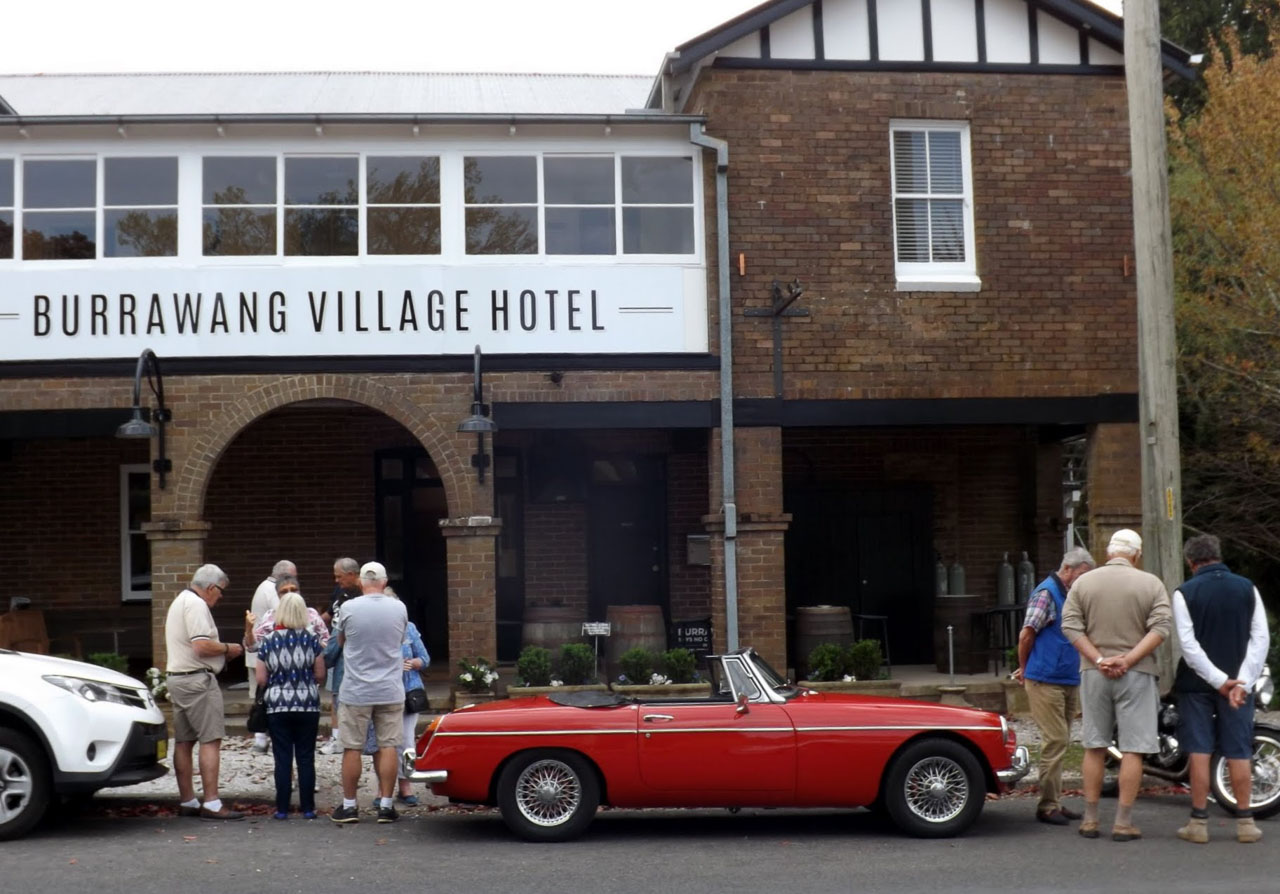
x,y
658,718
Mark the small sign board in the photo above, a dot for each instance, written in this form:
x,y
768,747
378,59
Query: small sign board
x,y
694,635
595,628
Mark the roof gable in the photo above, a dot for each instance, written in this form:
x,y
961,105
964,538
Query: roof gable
x,y
918,35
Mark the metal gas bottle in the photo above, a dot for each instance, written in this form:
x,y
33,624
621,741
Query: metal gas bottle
x,y
955,579
1026,578
1004,582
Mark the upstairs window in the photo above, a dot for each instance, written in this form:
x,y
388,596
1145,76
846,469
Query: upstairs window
x,y
6,208
321,206
140,207
404,204
239,205
501,194
580,218
657,205
932,206
59,209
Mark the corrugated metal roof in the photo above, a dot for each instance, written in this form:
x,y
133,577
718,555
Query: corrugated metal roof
x,y
322,93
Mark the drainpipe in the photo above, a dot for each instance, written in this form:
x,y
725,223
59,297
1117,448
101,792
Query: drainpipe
x,y
729,505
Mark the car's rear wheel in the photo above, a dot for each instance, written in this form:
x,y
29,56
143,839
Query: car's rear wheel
x,y
934,789
24,784
548,795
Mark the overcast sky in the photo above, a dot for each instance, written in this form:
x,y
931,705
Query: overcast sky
x,y
606,36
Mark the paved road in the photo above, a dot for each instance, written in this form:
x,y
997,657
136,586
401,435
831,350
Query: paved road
x,y
654,852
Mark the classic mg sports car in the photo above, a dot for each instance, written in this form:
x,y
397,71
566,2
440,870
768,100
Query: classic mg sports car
x,y
757,741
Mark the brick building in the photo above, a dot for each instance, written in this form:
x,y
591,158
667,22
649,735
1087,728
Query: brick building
x,y
887,247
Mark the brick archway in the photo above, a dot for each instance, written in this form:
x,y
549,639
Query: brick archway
x,y
192,476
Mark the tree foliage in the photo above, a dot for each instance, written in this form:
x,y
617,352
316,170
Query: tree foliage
x,y
1199,25
1225,200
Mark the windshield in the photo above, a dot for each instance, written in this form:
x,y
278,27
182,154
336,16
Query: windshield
x,y
772,678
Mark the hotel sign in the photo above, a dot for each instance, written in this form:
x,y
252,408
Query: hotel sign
x,y
341,311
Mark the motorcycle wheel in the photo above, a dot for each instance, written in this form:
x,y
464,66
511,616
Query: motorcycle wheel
x,y
1110,777
1265,798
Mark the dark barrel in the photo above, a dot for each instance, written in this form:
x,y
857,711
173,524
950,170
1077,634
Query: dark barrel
x,y
632,627
817,624
551,626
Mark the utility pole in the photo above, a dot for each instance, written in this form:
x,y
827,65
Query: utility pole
x,y
1157,343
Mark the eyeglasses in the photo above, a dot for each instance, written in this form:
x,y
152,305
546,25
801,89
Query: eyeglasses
x,y
220,588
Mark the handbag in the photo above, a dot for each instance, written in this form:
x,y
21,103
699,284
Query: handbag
x,y
415,701
257,720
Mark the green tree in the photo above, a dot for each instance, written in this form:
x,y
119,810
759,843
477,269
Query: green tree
x,y
1199,25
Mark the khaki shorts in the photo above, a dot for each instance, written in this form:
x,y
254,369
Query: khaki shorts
x,y
1125,707
197,708
353,724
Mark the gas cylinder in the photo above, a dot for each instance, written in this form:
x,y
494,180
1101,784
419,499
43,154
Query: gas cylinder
x,y
955,579
939,576
1026,578
1004,582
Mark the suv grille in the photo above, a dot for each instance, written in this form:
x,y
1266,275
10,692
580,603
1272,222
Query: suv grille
x,y
132,697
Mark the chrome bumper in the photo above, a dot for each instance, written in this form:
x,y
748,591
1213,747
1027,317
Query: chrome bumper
x,y
409,770
1021,766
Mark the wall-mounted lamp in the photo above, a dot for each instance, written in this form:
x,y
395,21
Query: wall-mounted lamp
x,y
137,427
478,422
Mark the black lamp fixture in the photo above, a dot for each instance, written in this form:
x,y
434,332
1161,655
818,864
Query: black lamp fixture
x,y
478,422
139,428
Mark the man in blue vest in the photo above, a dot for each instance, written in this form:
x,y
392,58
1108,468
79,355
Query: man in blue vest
x,y
1223,630
1049,668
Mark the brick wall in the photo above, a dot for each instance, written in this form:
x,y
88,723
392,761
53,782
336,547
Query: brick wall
x,y
809,196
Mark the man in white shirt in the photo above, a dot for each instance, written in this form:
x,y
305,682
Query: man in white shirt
x,y
1222,626
265,599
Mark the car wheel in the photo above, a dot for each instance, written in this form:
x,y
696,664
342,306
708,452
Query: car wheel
x,y
1265,797
934,789
24,784
548,795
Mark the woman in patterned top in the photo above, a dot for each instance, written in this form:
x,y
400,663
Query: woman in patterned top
x,y
290,669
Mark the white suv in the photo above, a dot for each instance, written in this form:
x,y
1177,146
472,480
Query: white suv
x,y
69,728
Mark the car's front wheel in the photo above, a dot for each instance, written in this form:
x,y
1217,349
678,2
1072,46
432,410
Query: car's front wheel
x,y
548,795
24,784
934,789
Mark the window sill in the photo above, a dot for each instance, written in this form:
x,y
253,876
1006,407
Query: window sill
x,y
939,283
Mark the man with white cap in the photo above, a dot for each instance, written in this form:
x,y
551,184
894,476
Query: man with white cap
x,y
1116,616
370,629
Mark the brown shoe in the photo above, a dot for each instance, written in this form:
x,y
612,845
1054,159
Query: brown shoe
x,y
1247,831
1088,829
183,810
225,813
1125,833
1071,814
1053,818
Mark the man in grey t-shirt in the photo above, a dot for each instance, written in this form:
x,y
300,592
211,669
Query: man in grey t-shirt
x,y
370,629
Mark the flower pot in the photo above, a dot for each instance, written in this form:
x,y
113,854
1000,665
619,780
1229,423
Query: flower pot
x,y
891,688
665,690
462,697
1016,703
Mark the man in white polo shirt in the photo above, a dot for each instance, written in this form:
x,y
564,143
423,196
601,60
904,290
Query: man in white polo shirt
x,y
195,655
370,629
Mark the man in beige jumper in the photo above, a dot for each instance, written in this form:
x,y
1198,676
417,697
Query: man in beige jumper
x,y
1116,616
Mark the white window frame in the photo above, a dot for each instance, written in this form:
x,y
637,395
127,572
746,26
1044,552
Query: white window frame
x,y
917,276
127,592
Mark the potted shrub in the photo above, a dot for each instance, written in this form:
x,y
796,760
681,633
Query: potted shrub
x,y
535,674
577,664
856,669
474,682
533,667
673,673
637,666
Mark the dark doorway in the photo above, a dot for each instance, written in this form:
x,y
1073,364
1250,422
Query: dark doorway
x,y
627,556
411,502
870,550
509,505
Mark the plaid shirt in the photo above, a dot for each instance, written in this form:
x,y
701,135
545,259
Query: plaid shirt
x,y
1040,611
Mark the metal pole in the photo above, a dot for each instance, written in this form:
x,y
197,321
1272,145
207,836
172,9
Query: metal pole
x,y
951,654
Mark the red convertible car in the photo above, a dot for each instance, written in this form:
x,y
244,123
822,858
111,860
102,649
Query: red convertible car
x,y
758,741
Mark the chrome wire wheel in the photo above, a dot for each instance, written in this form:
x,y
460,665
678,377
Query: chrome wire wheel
x,y
15,785
936,789
548,792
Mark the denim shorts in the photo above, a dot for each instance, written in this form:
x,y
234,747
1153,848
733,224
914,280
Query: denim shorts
x,y
1206,717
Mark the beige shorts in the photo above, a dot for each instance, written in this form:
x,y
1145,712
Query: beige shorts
x,y
353,724
1125,707
197,708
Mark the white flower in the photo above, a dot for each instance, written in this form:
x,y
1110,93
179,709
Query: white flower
x,y
849,678
658,680
465,677
555,682
489,677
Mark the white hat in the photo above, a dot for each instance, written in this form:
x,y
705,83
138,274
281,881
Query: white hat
x,y
373,571
1126,541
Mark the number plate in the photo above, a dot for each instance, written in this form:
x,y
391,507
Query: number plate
x,y
162,749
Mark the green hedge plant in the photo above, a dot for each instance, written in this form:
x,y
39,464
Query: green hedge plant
x,y
679,665
827,662
533,667
577,664
110,660
864,659
637,665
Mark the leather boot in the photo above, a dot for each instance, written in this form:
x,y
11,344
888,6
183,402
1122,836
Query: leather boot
x,y
1196,830
1247,831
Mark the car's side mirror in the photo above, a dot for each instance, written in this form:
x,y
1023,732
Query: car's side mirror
x,y
743,701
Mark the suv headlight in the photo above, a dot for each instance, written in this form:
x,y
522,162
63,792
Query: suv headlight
x,y
89,690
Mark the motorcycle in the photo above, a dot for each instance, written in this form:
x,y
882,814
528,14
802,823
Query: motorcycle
x,y
1171,763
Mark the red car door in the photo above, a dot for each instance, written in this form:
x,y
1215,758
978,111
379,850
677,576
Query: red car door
x,y
702,746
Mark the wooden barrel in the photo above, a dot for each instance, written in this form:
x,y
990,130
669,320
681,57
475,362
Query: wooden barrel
x,y
633,627
958,613
817,624
551,626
